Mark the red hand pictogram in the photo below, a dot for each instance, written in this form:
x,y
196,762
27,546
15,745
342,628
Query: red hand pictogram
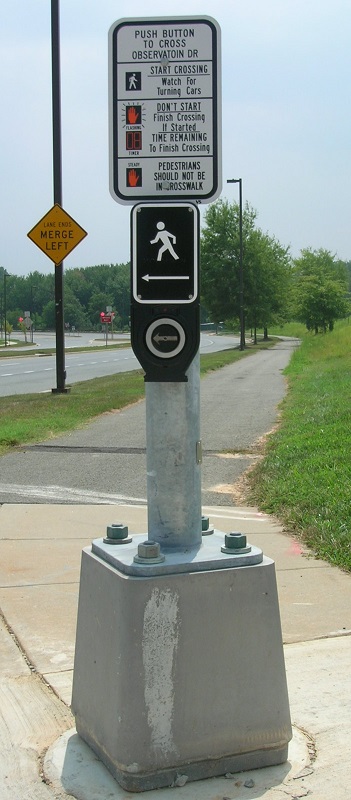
x,y
132,115
132,178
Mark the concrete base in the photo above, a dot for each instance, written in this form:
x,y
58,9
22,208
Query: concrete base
x,y
180,674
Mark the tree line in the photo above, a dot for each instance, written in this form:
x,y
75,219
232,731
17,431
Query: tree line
x,y
314,288
87,292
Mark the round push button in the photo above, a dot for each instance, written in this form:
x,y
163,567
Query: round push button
x,y
165,338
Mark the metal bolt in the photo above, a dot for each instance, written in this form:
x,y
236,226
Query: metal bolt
x,y
149,551
235,541
205,526
117,533
235,544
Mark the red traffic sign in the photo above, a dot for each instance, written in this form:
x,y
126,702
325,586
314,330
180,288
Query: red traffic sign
x,y
107,318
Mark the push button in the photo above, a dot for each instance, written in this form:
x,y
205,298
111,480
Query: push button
x,y
165,338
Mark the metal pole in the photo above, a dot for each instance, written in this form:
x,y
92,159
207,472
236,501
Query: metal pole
x,y
241,265
31,312
173,453
57,176
5,276
241,269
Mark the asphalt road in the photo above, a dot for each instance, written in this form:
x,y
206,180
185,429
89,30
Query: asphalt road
x,y
105,462
35,373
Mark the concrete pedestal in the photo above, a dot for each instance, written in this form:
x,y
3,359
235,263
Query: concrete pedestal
x,y
180,674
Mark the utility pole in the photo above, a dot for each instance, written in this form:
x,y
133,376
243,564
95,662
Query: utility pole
x,y
5,301
57,179
241,269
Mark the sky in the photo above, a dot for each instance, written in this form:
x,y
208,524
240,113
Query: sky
x,y
286,121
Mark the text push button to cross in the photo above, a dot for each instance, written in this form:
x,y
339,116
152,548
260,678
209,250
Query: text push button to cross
x,y
165,338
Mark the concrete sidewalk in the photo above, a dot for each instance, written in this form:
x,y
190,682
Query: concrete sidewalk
x,y
41,757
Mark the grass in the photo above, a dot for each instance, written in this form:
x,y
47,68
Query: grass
x,y
305,477
30,418
296,329
25,419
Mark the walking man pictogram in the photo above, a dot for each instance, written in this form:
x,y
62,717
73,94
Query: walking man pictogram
x,y
166,238
132,81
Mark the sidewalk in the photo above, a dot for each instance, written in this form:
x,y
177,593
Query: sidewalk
x,y
41,758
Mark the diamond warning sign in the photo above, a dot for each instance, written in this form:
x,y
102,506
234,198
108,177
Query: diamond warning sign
x,y
57,234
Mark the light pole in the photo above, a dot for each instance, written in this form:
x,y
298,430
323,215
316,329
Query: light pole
x,y
31,312
6,275
241,271
57,176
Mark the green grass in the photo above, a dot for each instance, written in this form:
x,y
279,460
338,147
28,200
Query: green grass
x,y
305,477
295,329
25,419
14,343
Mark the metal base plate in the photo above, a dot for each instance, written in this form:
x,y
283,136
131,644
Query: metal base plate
x,y
208,556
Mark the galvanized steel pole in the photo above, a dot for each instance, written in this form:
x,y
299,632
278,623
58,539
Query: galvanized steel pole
x,y
173,450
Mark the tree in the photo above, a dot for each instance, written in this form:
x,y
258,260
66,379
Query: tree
x,y
48,316
220,258
320,289
87,291
266,268
98,302
267,281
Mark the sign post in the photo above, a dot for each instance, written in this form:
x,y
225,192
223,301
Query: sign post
x,y
168,709
57,234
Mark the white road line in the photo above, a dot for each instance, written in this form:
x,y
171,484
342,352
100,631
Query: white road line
x,y
235,513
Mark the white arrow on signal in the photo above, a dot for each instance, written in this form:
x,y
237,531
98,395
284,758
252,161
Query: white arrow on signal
x,y
158,338
165,277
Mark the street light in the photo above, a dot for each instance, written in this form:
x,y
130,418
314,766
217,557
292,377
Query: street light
x,y
31,311
241,271
6,275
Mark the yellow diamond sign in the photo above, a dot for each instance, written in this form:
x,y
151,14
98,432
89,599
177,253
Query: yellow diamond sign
x,y
57,234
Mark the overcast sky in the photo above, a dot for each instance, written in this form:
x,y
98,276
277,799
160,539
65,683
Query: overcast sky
x,y
286,121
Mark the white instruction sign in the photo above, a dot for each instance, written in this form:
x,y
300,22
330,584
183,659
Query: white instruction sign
x,y
165,109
